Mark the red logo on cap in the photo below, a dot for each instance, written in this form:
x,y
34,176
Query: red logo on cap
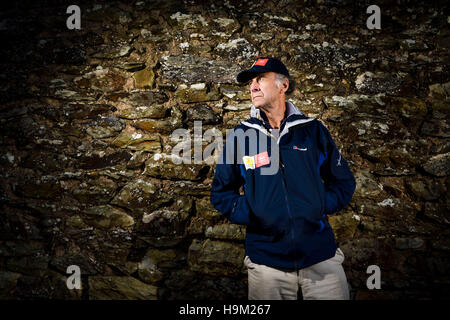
x,y
261,62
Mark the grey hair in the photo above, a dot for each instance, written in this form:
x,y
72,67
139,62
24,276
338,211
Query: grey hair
x,y
279,80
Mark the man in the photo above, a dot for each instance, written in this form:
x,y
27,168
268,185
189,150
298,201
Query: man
x,y
289,242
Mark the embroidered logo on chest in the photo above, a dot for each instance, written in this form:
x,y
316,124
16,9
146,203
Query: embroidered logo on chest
x,y
300,149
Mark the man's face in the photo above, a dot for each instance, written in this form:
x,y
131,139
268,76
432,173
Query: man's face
x,y
264,90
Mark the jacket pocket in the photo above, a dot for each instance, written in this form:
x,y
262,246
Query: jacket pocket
x,y
264,237
323,223
306,184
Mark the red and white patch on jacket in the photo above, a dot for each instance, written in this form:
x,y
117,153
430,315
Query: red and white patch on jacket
x,y
261,159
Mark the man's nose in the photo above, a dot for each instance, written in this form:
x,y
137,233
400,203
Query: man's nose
x,y
254,86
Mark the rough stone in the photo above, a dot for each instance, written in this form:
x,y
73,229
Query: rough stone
x,y
144,79
95,190
441,244
105,128
326,54
8,282
206,210
374,104
166,125
438,165
29,265
133,140
42,189
233,119
216,257
367,186
413,45
139,98
188,21
427,190
155,111
344,225
238,49
120,288
167,167
410,108
21,248
155,35
235,93
437,212
203,113
226,232
409,243
164,223
197,92
111,52
165,258
72,256
238,107
436,128
138,159
97,160
191,69
132,66
189,188
101,79
148,272
107,217
439,90
76,110
140,194
369,82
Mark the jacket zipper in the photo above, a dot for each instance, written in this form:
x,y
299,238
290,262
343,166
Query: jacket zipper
x,y
286,198
322,223
288,208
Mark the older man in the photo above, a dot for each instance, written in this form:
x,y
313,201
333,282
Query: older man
x,y
289,243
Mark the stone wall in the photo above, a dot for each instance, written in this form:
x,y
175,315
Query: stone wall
x,y
86,118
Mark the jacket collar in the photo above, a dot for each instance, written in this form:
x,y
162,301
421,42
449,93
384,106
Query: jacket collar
x,y
290,108
293,117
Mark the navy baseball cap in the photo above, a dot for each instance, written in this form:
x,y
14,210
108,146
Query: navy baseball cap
x,y
263,64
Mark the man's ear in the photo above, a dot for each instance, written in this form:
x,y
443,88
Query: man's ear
x,y
285,85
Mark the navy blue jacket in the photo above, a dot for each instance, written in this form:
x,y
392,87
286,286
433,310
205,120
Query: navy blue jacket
x,y
285,211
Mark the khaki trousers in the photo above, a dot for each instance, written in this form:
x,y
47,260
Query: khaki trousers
x,y
325,280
